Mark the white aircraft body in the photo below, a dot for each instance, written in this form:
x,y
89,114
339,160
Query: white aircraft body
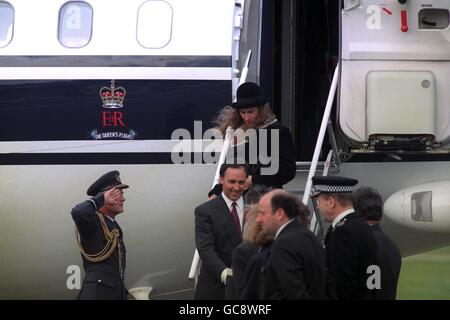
x,y
86,88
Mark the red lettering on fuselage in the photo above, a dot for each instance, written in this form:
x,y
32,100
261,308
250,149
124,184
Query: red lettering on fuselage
x,y
113,119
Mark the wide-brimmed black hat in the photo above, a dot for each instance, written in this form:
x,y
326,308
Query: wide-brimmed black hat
x,y
105,182
332,184
248,95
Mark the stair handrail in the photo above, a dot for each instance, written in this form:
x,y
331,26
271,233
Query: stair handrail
x,y
321,136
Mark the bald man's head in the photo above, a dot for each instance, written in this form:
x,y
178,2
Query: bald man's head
x,y
279,206
291,204
269,195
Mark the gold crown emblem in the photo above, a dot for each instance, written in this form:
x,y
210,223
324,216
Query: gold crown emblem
x,y
112,97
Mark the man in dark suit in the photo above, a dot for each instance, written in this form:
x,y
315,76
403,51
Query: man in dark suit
x,y
296,266
369,205
349,244
218,224
101,244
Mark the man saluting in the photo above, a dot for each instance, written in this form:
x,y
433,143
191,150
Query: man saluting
x,y
100,239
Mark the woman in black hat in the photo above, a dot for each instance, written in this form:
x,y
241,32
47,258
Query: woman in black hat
x,y
251,113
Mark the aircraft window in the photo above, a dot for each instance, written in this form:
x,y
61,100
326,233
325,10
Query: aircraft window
x,y
75,24
6,23
154,24
421,206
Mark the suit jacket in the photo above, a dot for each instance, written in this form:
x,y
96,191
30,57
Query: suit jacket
x,y
351,248
216,236
103,279
240,259
296,267
389,260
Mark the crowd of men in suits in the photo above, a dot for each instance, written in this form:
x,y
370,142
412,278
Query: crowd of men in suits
x,y
279,257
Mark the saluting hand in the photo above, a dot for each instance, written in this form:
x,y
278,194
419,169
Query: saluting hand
x,y
112,196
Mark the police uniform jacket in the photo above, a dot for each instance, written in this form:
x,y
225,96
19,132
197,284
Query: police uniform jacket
x,y
296,267
103,279
216,236
351,248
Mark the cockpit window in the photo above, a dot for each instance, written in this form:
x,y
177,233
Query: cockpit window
x,y
75,24
421,204
6,23
154,24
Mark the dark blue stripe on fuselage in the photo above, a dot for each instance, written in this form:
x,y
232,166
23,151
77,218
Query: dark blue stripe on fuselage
x,y
117,61
93,158
52,110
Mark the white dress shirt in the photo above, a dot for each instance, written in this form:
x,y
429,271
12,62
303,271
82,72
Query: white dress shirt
x,y
239,207
342,216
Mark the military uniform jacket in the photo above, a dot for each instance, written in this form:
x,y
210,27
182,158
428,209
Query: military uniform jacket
x,y
103,279
296,266
351,248
215,237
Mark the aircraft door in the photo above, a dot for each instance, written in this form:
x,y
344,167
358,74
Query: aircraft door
x,y
395,66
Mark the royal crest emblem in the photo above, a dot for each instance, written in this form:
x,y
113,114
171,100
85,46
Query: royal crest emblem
x,y
112,97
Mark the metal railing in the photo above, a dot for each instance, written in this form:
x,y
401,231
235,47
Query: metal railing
x,y
323,127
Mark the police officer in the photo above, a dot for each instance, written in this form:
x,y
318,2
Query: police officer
x,y
349,243
100,239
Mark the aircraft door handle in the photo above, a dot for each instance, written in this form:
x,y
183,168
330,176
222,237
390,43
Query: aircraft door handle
x,y
428,22
404,19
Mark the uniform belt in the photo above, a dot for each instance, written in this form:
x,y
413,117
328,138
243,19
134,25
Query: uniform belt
x,y
102,268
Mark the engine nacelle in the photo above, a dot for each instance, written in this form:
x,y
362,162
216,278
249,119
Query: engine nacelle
x,y
424,207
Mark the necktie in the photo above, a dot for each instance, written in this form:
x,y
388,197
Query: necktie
x,y
235,216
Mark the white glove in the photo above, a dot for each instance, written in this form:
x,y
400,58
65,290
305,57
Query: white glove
x,y
227,272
